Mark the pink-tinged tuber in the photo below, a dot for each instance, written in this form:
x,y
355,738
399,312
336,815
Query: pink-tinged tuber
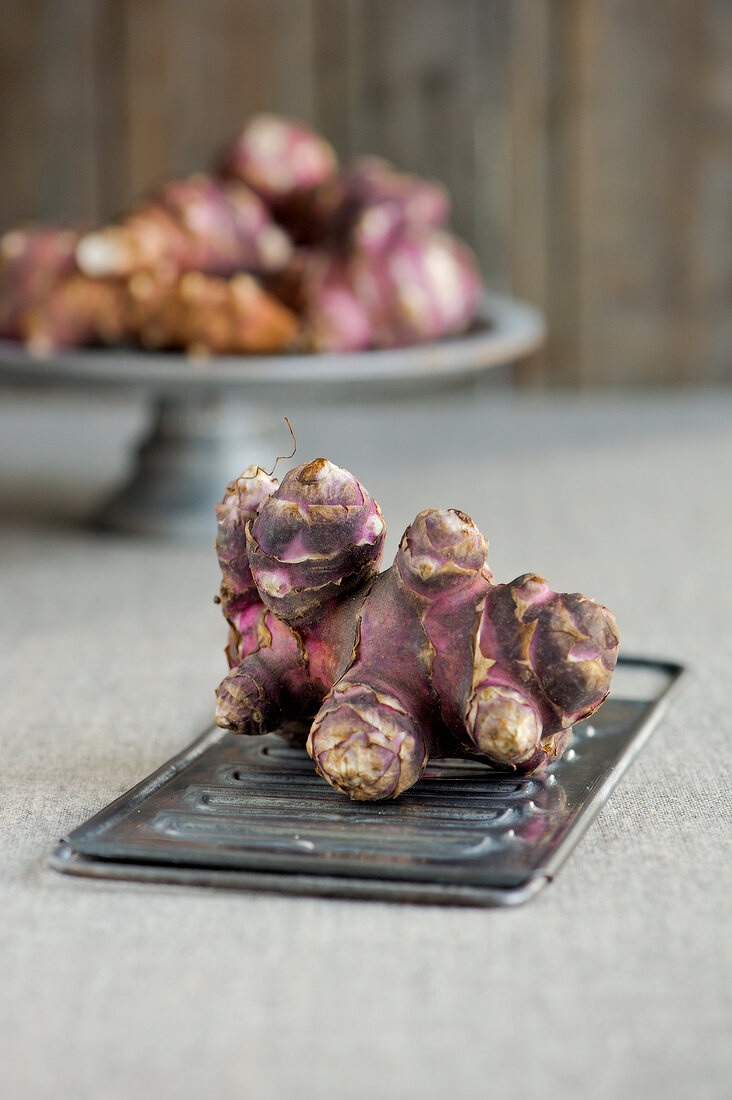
x,y
422,285
543,662
194,224
387,200
319,287
200,314
429,658
425,285
206,315
312,544
364,206
239,596
32,262
279,159
77,311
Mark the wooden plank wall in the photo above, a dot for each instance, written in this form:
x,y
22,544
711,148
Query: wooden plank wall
x,y
587,143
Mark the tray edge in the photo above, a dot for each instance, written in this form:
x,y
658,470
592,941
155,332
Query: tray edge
x,y
68,861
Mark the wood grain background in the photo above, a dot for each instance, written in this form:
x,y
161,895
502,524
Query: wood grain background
x,y
587,143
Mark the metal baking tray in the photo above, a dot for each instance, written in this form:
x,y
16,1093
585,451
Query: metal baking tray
x,y
251,812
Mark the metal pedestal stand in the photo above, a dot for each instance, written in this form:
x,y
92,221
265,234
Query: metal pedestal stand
x,y
213,419
195,446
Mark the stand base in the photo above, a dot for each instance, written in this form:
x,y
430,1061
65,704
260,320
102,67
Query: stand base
x,y
196,445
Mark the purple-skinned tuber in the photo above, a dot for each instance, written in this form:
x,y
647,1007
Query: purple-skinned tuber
x,y
430,658
195,224
279,159
423,285
310,550
32,262
364,206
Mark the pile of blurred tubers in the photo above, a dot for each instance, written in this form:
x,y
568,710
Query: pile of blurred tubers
x,y
277,250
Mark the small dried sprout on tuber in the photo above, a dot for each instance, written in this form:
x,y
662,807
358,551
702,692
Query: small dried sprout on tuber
x,y
429,658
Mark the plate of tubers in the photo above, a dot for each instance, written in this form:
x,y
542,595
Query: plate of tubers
x,y
277,264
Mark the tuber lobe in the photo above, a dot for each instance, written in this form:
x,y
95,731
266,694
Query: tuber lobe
x,y
301,625
319,535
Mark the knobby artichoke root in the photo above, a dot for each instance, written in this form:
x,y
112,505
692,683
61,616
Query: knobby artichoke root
x,y
363,207
429,658
32,261
202,314
77,311
178,271
296,560
194,224
279,160
422,285
208,315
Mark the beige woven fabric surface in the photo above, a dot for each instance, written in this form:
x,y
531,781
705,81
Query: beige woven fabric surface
x,y
615,982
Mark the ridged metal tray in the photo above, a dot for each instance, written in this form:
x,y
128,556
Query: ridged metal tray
x,y
251,812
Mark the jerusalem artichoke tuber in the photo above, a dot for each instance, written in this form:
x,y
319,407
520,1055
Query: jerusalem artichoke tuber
x,y
32,261
387,200
425,285
312,549
193,224
429,658
204,314
238,596
201,314
422,285
319,287
77,311
278,158
363,207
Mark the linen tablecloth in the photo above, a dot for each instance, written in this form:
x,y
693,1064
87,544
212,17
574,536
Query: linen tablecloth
x,y
614,982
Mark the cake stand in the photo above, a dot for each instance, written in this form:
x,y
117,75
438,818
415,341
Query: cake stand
x,y
212,418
